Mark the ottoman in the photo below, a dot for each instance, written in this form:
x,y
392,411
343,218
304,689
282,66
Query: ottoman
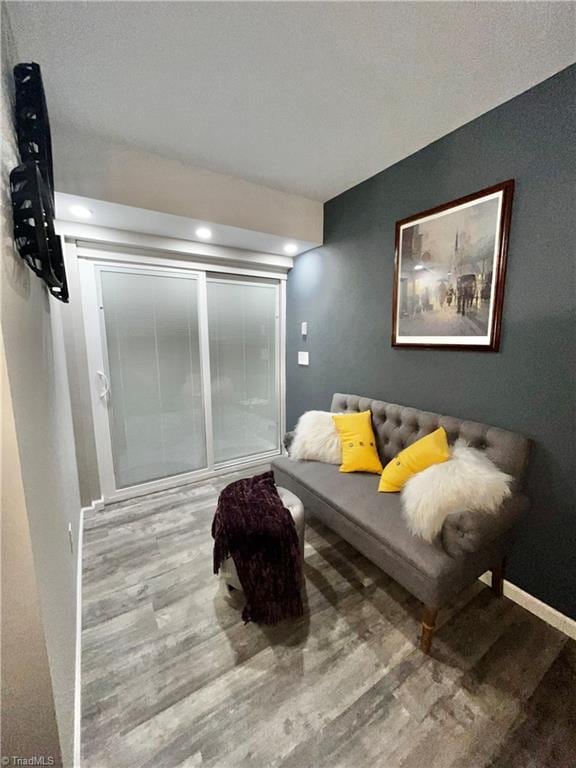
x,y
296,509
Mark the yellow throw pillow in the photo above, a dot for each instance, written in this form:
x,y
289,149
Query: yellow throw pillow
x,y
359,453
432,449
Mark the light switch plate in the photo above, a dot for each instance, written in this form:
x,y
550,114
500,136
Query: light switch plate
x,y
303,358
304,328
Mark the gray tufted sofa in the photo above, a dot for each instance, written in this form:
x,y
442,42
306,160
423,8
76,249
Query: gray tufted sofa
x,y
470,543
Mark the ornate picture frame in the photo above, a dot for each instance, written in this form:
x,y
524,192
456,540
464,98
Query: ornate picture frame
x,y
450,267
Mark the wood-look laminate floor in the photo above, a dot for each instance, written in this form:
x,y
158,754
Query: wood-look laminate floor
x,y
172,677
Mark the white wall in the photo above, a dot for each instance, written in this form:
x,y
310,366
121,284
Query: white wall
x,y
38,384
28,718
103,169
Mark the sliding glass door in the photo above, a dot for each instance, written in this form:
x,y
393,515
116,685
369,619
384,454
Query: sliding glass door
x,y
186,373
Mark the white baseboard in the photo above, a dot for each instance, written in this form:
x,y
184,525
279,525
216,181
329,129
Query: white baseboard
x,y
544,611
97,505
78,676
94,507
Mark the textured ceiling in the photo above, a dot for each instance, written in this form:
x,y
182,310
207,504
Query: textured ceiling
x,y
310,98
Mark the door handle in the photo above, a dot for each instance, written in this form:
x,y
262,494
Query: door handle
x,y
104,379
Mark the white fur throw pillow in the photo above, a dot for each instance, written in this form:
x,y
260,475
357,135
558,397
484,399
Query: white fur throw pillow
x,y
467,481
316,439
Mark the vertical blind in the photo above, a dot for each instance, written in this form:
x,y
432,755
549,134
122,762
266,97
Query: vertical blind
x,y
243,343
156,406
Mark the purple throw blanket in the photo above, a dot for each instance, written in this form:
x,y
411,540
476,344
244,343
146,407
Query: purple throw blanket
x,y
252,526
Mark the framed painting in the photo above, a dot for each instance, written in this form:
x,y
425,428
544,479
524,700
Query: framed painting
x,y
450,270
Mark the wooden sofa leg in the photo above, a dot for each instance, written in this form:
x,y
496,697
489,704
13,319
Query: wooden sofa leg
x,y
428,623
498,578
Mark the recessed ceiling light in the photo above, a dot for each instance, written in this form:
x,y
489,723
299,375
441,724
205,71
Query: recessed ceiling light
x,y
418,266
80,211
290,248
204,233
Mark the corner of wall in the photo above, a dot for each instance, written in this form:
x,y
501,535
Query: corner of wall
x,y
41,515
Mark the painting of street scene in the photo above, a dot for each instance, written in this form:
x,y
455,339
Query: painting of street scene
x,y
446,268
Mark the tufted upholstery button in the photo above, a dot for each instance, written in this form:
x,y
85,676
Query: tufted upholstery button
x,y
396,426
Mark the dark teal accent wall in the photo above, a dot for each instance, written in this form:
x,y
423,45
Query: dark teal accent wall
x,y
344,291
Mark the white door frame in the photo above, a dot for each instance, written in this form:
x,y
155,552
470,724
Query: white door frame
x,y
91,263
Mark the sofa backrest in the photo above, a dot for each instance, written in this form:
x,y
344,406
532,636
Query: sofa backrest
x,y
397,426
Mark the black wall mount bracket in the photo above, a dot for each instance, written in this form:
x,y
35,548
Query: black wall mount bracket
x,y
32,184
